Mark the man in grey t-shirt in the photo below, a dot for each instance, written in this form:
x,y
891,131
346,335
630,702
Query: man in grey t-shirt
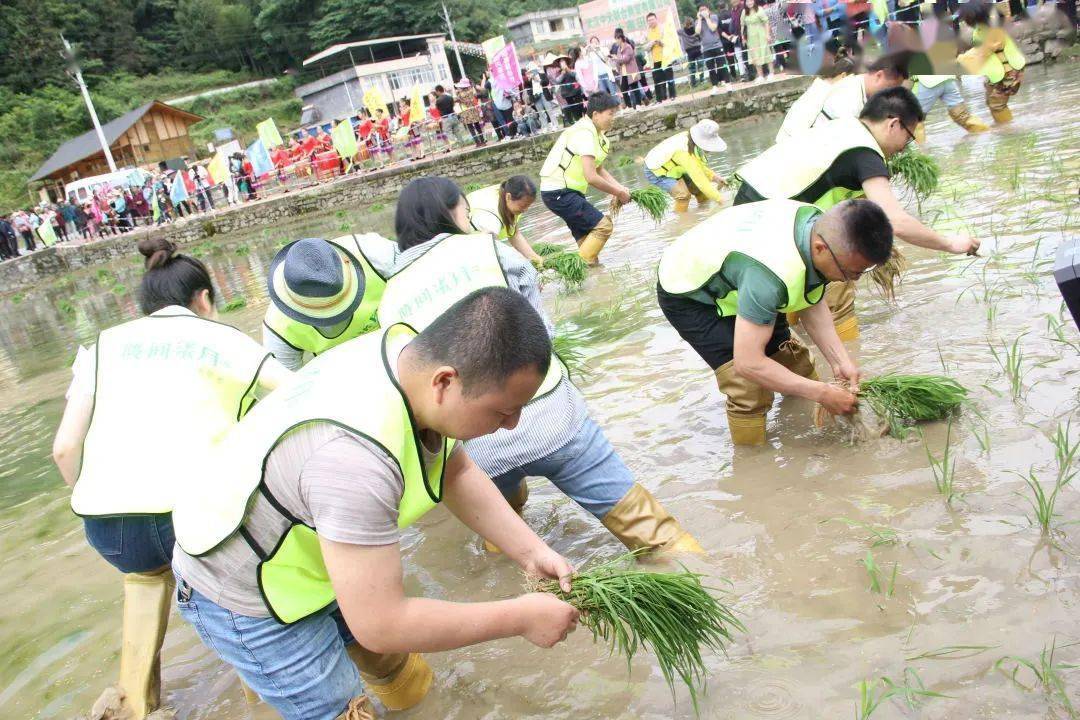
x,y
468,374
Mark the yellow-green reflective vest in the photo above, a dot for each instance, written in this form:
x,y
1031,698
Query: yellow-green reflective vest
x,y
166,388
307,337
846,99
994,67
788,169
562,168
805,110
484,213
353,388
660,161
763,231
449,270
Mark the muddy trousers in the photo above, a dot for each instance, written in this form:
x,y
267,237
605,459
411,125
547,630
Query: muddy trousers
x,y
589,471
309,670
840,297
998,94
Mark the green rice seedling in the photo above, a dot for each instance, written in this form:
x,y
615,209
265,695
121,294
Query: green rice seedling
x,y
918,171
951,652
652,200
1046,672
1042,504
911,690
1066,452
879,534
671,614
234,304
982,436
878,584
1011,360
943,468
567,344
904,399
869,700
569,266
544,249
1058,329
888,274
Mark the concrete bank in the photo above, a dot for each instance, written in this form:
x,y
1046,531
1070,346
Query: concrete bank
x,y
359,190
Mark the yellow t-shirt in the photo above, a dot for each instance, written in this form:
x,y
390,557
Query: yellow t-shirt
x,y
656,54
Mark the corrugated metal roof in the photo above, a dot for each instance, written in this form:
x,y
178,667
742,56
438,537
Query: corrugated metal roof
x,y
342,47
87,144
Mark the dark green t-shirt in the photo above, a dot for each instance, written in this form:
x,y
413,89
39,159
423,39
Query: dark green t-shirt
x,y
761,293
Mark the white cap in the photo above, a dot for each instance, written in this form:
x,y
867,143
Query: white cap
x,y
706,135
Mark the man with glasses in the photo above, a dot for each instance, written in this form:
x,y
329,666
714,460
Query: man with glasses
x,y
846,158
727,284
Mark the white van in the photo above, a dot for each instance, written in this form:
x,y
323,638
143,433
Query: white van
x,y
83,188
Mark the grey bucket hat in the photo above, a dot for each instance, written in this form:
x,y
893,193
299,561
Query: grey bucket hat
x,y
316,282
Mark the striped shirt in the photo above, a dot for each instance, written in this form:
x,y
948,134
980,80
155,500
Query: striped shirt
x,y
548,423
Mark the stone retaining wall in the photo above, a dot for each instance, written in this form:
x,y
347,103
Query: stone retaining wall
x,y
360,190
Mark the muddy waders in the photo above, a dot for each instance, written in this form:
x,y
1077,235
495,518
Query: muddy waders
x,y
147,602
591,245
399,680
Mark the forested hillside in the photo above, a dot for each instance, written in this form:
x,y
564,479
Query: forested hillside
x,y
137,50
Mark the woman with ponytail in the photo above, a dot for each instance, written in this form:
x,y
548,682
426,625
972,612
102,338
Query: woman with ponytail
x,y
147,401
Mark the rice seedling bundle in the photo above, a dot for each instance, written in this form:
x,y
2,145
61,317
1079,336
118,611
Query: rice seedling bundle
x,y
652,200
903,399
568,265
887,275
544,249
669,613
918,171
567,344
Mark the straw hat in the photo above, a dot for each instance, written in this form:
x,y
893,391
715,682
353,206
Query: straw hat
x,y
553,59
706,135
316,282
464,83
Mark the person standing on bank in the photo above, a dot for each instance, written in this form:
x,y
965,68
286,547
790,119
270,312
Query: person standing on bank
x,y
757,37
663,77
847,158
322,293
497,209
440,262
288,561
154,393
727,284
677,165
575,163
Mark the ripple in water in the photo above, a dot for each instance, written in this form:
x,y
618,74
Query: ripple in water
x,y
773,698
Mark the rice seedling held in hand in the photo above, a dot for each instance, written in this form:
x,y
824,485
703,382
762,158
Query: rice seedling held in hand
x,y
903,399
569,266
567,345
918,171
544,249
653,201
670,613
887,275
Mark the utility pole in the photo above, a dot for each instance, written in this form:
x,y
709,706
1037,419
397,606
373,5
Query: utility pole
x,y
450,28
75,72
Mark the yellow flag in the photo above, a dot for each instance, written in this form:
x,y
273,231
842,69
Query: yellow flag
x,y
492,46
672,48
416,106
218,168
373,100
344,138
268,133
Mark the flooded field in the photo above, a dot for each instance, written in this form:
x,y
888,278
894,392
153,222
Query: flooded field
x,y
803,528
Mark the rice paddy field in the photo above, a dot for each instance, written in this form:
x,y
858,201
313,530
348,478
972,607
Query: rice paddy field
x,y
934,576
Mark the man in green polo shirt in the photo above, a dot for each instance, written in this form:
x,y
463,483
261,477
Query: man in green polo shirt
x,y
726,285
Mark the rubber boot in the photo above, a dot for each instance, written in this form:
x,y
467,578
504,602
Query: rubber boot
x,y
840,297
681,194
590,246
920,133
147,602
641,523
796,357
360,708
747,405
250,695
963,117
517,504
1002,115
398,680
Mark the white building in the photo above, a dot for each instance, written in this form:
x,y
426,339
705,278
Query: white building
x,y
546,25
338,77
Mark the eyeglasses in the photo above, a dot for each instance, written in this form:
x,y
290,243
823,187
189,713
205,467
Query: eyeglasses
x,y
911,135
848,277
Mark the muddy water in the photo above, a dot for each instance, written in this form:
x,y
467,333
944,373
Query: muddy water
x,y
975,573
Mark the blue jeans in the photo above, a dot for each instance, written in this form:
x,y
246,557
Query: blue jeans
x,y
301,670
664,183
587,469
136,543
605,84
947,91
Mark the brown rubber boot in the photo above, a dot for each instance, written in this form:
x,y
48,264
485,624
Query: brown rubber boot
x,y
641,522
963,117
681,194
1001,115
147,602
399,680
590,246
747,405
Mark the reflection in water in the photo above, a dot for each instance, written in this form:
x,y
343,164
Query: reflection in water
x,y
973,575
